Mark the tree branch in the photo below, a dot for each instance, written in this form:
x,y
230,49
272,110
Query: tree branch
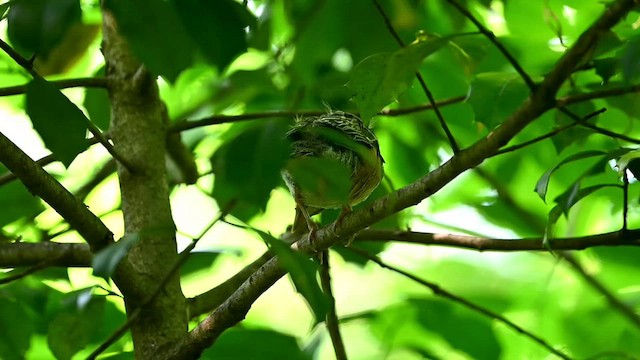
x,y
96,82
543,99
18,254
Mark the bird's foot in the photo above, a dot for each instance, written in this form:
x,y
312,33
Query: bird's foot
x,y
313,229
345,210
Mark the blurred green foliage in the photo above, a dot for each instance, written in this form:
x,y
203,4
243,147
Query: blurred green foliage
x,y
235,58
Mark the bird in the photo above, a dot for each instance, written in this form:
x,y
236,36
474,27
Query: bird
x,y
345,139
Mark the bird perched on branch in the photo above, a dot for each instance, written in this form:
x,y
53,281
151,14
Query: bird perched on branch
x,y
317,143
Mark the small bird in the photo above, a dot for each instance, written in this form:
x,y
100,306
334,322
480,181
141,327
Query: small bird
x,y
338,136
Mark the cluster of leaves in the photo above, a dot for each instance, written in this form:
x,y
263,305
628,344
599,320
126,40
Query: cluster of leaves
x,y
224,58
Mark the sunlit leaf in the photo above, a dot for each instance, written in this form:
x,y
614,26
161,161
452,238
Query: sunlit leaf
x,y
379,79
303,272
543,182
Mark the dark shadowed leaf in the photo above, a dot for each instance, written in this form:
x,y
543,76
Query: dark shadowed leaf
x,y
631,60
303,272
96,101
60,124
328,179
72,328
107,259
248,167
18,323
198,261
217,27
37,26
160,41
494,96
254,344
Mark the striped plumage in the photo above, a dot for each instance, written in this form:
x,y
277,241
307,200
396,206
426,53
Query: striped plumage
x,y
339,136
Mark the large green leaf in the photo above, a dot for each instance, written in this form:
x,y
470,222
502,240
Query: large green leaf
x,y
248,166
494,96
96,101
217,27
18,325
254,344
630,60
72,328
327,179
37,26
379,79
303,272
60,124
543,182
167,57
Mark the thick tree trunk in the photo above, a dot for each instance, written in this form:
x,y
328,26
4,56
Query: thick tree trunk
x,y
138,134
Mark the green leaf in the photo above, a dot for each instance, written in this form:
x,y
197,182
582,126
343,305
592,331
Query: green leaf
x,y
254,344
574,194
198,261
248,166
606,68
160,41
96,101
323,181
38,26
107,259
217,27
543,183
3,9
403,326
72,328
18,325
60,124
631,60
379,79
495,96
303,272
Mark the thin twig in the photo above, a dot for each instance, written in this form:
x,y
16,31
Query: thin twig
x,y
32,269
437,290
572,99
479,243
582,121
19,59
423,84
332,322
625,200
493,39
96,82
